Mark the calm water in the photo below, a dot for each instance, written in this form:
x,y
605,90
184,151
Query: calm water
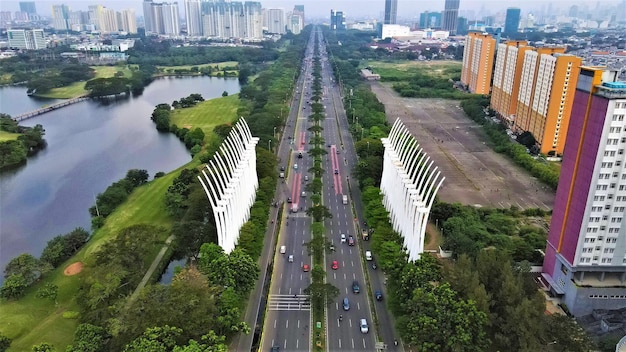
x,y
90,145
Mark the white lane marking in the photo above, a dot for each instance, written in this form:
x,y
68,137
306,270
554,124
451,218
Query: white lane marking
x,y
363,343
297,343
339,343
358,305
274,328
352,263
287,324
352,343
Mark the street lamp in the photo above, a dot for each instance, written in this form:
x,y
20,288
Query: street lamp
x,y
368,147
269,145
274,135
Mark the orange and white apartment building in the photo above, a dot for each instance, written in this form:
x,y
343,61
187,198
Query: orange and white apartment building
x,y
478,57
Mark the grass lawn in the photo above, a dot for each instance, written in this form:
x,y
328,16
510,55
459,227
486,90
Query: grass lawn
x,y
187,67
404,68
78,88
8,136
31,320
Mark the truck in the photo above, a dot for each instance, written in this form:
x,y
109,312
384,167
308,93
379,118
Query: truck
x,y
345,199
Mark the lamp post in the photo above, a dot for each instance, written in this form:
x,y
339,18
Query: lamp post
x,y
269,145
274,134
368,148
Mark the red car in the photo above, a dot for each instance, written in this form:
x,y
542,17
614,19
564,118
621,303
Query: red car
x,y
335,265
305,267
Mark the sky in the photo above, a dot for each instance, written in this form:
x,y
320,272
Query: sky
x,y
321,8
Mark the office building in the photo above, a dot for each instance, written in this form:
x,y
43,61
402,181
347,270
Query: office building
x,y
193,16
461,27
585,261
337,21
511,23
506,78
296,20
103,19
430,19
60,15
275,21
391,12
546,93
478,56
32,39
232,20
28,7
450,15
127,21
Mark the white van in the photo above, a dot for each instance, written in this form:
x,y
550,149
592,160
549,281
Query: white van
x,y
368,255
364,328
283,249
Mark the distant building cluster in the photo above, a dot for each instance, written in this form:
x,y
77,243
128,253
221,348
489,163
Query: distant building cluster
x,y
97,18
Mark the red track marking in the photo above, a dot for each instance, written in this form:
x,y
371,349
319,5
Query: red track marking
x,y
302,141
297,179
293,190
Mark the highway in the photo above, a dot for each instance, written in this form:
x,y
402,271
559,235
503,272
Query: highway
x,y
287,323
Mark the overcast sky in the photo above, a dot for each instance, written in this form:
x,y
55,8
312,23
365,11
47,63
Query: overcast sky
x,y
321,8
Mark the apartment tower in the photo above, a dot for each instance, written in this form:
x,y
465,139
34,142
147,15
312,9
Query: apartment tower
x,y
508,69
193,16
585,262
546,93
478,62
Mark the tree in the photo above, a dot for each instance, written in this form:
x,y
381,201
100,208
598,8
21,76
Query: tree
x,y
49,291
319,213
24,265
89,338
189,237
156,339
224,93
137,177
44,347
459,325
5,343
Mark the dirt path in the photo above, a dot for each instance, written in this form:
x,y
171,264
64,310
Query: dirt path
x,y
475,174
151,270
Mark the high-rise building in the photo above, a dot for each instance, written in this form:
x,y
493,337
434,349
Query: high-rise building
x,y
171,25
127,21
430,19
585,261
193,15
478,56
232,20
391,12
461,27
28,7
148,20
450,15
60,15
296,21
546,93
275,21
32,39
506,78
511,23
103,19
337,21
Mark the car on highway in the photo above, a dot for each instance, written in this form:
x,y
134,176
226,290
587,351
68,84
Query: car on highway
x,y
291,258
350,241
283,249
335,265
346,304
336,172
295,166
343,238
355,287
306,267
275,349
282,168
364,328
306,177
300,155
288,199
378,295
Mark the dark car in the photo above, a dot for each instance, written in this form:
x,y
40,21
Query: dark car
x,y
355,287
378,295
300,155
282,168
336,171
275,349
289,200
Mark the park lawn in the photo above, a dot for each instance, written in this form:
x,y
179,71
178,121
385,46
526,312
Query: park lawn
x,y
207,114
30,320
220,65
78,88
8,136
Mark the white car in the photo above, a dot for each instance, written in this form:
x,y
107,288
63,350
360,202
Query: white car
x,y
295,166
343,238
364,328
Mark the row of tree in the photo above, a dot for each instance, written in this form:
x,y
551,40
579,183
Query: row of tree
x,y
29,142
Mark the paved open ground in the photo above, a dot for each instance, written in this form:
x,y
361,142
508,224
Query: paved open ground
x,y
475,174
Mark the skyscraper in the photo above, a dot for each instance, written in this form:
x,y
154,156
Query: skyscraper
x,y
337,21
478,56
275,21
391,12
585,261
127,21
511,23
171,25
232,20
193,15
506,78
296,20
28,7
430,19
60,15
450,15
148,19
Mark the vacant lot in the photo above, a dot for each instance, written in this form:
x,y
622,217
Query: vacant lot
x,y
475,174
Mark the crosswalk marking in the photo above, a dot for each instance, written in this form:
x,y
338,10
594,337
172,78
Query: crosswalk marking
x,y
289,302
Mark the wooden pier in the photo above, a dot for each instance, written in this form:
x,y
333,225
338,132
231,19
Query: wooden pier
x,y
49,108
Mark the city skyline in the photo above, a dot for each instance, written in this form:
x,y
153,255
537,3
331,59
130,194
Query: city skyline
x,y
374,9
